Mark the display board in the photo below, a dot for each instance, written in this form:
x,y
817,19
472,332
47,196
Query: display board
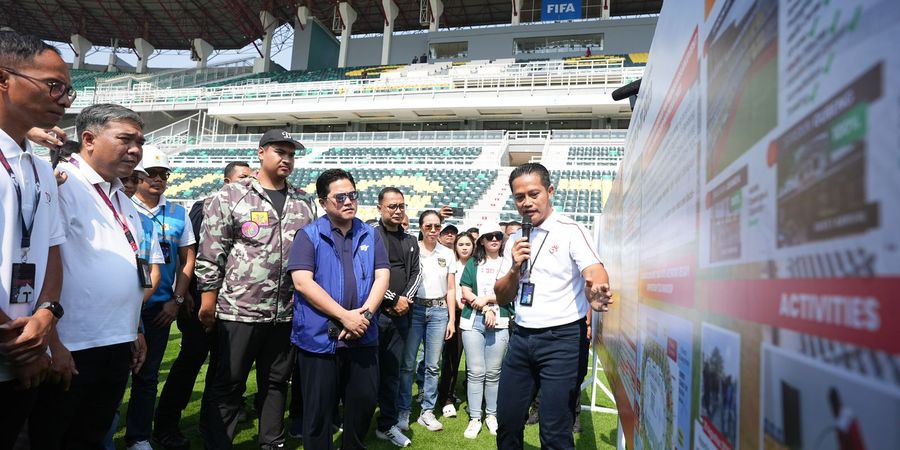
x,y
752,234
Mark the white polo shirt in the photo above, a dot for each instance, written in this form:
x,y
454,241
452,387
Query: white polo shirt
x,y
560,250
435,266
47,230
101,291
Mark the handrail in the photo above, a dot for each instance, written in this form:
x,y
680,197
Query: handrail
x,y
313,91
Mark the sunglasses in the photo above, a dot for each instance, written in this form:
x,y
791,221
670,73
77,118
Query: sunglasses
x,y
396,206
133,179
344,196
496,236
432,226
161,173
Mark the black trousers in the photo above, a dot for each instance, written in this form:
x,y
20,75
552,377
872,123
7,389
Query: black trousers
x,y
392,334
80,417
240,345
17,405
548,358
179,385
351,373
452,355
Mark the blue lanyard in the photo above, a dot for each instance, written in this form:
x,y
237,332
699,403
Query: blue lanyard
x,y
27,227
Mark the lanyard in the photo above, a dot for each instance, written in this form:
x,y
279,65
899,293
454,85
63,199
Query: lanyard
x,y
155,217
27,227
533,261
122,223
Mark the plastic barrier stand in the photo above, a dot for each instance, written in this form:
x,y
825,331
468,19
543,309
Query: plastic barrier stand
x,y
753,231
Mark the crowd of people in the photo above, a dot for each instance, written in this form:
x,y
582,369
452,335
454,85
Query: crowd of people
x,y
331,311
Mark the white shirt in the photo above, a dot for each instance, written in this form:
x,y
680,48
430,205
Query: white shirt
x,y
101,291
47,230
435,267
561,249
187,237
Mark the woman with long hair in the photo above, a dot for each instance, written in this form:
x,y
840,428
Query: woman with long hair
x,y
463,246
433,320
485,329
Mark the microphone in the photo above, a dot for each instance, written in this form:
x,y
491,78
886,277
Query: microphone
x,y
527,226
627,91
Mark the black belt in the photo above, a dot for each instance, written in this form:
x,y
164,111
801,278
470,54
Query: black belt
x,y
524,330
438,302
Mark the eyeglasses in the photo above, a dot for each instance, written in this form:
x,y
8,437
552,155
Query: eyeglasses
x,y
432,226
495,236
57,88
396,206
342,197
161,173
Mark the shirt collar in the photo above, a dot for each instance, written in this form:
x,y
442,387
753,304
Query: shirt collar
x,y
139,202
93,177
11,148
549,222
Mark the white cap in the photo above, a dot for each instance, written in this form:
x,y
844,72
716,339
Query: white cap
x,y
140,168
487,229
154,157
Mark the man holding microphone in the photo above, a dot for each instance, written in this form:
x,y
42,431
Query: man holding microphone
x,y
552,274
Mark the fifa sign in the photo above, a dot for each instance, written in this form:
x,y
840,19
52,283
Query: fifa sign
x,y
561,10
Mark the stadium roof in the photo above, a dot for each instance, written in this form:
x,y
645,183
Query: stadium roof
x,y
232,24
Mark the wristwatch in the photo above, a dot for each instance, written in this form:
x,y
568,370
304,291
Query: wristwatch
x,y
54,307
179,299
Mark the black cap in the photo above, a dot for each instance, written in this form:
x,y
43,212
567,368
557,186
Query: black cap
x,y
278,136
449,229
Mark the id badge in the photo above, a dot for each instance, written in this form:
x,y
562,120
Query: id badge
x,y
166,251
526,294
144,273
22,283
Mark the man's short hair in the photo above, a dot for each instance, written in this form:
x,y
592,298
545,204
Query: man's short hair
x,y
232,166
528,169
95,117
17,49
472,230
388,190
330,176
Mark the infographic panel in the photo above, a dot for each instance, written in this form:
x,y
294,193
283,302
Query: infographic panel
x,y
754,226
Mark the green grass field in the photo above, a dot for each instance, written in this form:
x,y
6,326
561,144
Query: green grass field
x,y
598,430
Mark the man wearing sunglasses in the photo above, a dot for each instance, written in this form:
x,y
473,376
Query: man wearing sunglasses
x,y
172,225
340,270
393,324
241,271
31,74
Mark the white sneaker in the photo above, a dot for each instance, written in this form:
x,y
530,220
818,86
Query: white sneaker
x,y
140,445
491,422
473,429
427,420
395,436
449,410
403,420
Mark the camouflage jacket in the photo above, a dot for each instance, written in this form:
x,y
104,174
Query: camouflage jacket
x,y
244,248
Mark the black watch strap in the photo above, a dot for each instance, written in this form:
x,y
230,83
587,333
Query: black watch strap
x,y
54,307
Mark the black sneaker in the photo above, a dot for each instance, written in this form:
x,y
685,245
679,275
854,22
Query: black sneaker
x,y
171,440
296,429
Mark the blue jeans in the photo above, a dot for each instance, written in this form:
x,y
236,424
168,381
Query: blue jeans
x,y
429,324
547,358
484,349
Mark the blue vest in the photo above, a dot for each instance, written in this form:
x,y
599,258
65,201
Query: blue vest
x,y
310,327
173,217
